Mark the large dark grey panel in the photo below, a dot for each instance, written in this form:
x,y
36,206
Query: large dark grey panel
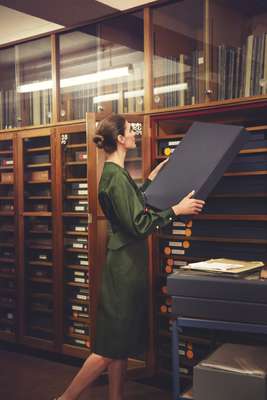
x,y
232,372
196,164
190,284
220,310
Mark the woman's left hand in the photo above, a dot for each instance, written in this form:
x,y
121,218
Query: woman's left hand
x,y
156,170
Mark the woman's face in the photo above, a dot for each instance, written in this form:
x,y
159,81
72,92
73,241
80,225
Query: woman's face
x,y
129,135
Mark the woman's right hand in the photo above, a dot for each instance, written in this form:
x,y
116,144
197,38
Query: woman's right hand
x,y
188,206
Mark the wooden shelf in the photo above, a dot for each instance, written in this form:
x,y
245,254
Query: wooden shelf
x,y
71,163
73,180
47,296
78,267
7,260
245,173
7,197
254,151
7,244
76,233
39,198
11,275
77,301
41,280
76,197
79,319
39,246
37,214
38,182
8,167
77,336
38,149
40,310
74,214
37,232
75,351
74,284
40,165
76,250
168,137
7,336
40,329
41,263
214,239
76,146
8,291
7,213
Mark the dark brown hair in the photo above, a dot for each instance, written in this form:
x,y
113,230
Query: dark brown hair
x,y
108,131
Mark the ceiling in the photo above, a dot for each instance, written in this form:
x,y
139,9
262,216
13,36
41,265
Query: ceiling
x,y
21,19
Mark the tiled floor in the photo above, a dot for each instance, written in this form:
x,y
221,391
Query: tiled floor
x,y
23,377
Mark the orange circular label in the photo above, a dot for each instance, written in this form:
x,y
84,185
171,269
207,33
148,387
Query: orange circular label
x,y
163,309
186,244
168,269
170,261
189,224
189,354
167,251
188,232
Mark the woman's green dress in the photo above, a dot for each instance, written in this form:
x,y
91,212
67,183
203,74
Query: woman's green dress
x,y
121,326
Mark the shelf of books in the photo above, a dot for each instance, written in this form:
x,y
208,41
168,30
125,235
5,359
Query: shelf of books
x,y
233,223
75,257
37,238
8,237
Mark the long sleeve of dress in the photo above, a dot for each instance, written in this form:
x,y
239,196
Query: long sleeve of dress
x,y
130,211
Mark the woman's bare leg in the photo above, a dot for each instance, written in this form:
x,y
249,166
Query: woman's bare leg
x,y
116,376
91,369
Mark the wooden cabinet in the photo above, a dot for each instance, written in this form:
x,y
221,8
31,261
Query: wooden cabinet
x,y
233,223
9,287
37,238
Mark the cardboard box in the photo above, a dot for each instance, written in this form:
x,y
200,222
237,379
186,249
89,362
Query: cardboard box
x,y
232,372
39,175
7,177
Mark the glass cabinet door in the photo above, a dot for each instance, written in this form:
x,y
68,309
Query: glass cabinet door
x,y
178,54
34,82
7,89
238,51
101,68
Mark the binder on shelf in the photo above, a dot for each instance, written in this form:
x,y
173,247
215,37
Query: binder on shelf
x,y
197,163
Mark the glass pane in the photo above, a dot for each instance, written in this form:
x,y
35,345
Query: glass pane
x,y
34,82
238,56
7,89
101,68
178,58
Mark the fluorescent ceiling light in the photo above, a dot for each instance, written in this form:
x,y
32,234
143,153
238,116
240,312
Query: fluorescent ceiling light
x,y
106,97
171,88
34,87
96,77
139,93
77,80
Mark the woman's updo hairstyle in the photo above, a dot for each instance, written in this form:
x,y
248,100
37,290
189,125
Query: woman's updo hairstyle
x,y
108,131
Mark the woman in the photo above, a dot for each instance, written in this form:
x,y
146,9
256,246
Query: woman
x,y
121,328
